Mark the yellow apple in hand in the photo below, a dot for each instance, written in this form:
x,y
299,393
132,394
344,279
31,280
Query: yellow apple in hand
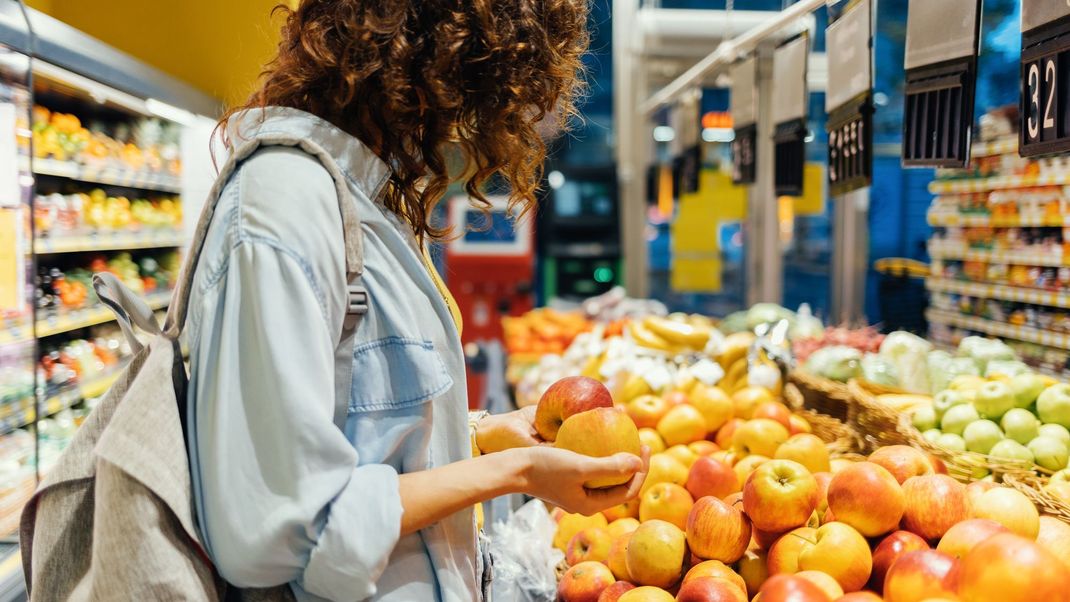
x,y
600,432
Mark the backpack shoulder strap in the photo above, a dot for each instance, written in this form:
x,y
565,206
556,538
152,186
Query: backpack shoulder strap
x,y
356,294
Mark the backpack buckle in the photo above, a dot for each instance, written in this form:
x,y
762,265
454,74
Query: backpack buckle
x,y
358,300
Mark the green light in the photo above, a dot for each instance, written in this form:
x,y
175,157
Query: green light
x,y
603,275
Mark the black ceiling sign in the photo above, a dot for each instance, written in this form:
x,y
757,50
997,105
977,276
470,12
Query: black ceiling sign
x,y
791,103
849,99
745,120
1045,75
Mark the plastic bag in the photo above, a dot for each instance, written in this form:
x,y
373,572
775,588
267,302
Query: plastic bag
x,y
525,560
836,363
876,370
806,326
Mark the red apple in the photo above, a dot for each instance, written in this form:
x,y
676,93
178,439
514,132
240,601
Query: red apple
x,y
824,581
625,510
703,447
565,398
774,410
647,410
934,504
615,591
717,531
710,589
841,552
823,480
784,553
715,568
589,544
1010,568
677,397
938,465
780,495
902,461
765,539
964,536
889,550
600,432
919,575
862,596
867,497
798,424
711,477
724,435
789,588
584,582
618,557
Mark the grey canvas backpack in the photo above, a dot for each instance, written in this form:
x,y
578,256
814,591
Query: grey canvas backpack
x,y
114,520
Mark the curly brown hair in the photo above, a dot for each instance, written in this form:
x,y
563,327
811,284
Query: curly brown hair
x,y
423,81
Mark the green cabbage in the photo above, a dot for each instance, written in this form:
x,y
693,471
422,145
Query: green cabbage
x,y
908,354
876,370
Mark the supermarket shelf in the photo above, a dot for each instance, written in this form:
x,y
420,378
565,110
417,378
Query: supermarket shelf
x,y
110,241
143,180
59,402
74,320
968,185
1002,146
1008,257
984,221
999,329
999,291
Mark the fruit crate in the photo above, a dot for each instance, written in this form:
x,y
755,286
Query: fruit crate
x,y
822,395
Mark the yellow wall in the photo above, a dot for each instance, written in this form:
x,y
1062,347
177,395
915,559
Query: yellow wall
x,y
217,46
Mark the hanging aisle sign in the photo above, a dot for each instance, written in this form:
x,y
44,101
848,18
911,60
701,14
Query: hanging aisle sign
x,y
791,101
849,99
1045,99
685,119
745,118
941,77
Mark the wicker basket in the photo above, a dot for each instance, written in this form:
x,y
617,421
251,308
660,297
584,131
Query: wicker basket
x,y
968,466
840,438
822,395
1033,488
878,423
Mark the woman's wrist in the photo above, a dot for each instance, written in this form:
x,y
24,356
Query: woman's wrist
x,y
515,469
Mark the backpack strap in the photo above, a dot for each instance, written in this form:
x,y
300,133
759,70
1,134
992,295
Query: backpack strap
x,y
356,294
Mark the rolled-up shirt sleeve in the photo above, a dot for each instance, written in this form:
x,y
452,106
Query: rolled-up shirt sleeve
x,y
281,495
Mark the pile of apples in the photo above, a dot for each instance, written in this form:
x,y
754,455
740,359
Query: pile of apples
x,y
1023,419
742,502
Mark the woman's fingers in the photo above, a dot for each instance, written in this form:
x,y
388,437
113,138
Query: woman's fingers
x,y
617,465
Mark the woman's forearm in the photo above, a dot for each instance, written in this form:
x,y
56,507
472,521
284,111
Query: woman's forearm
x,y
431,495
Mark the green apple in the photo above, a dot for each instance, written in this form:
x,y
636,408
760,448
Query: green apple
x,y
924,418
1055,430
944,400
994,399
1063,476
1027,387
957,417
951,442
1020,425
980,436
1053,405
1009,449
932,435
1049,452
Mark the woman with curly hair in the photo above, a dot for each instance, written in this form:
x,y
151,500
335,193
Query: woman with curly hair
x,y
364,487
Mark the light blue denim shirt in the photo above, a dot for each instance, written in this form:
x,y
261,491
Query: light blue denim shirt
x,y
282,495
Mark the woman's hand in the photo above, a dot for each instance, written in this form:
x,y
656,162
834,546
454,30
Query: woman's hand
x,y
498,432
557,476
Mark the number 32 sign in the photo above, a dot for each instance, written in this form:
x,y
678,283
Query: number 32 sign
x,y
1045,106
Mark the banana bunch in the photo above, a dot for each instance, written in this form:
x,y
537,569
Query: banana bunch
x,y
678,333
905,402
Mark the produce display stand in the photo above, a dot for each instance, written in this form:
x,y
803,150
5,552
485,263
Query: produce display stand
x,y
878,422
822,395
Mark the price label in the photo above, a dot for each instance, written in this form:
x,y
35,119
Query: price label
x,y
744,155
1045,78
849,100
850,156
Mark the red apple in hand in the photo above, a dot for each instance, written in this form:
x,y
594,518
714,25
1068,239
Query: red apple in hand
x,y
789,588
717,531
615,591
584,582
600,432
889,550
902,461
710,589
780,495
565,398
934,504
1010,568
867,497
711,477
964,536
919,575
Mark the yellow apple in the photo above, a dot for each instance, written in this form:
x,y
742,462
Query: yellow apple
x,y
683,453
714,404
681,425
646,594
760,436
841,552
622,526
746,466
1054,535
1010,508
629,509
668,502
824,582
571,524
715,568
656,554
600,432
806,449
784,553
754,570
703,448
647,410
780,495
589,544
650,438
618,557
664,469
748,398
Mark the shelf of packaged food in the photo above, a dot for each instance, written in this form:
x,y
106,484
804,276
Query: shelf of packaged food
x,y
108,176
24,413
1001,146
970,185
951,220
110,241
999,291
999,329
950,252
73,320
